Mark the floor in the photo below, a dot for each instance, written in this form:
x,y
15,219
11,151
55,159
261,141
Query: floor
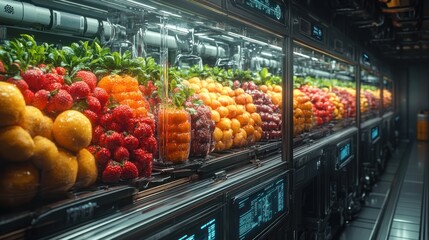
x,y
393,210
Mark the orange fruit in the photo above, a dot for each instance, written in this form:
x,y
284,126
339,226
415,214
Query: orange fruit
x,y
238,91
19,183
251,121
232,111
215,116
205,97
257,118
87,169
223,111
258,135
235,125
240,109
32,121
195,87
238,140
277,88
243,132
227,135
249,129
250,107
213,95
240,99
223,100
217,134
45,153
12,105
212,87
219,146
204,84
218,87
215,104
243,118
228,144
61,176
72,130
249,98
224,124
195,80
16,144
263,88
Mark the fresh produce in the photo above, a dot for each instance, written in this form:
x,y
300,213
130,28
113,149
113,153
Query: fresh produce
x,y
12,105
19,184
338,113
16,144
322,106
174,129
387,98
302,112
72,130
87,172
348,99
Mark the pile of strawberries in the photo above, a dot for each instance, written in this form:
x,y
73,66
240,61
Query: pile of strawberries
x,y
123,146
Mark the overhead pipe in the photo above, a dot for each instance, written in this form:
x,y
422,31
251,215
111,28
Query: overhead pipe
x,y
374,24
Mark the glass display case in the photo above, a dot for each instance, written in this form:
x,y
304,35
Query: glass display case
x,y
324,93
388,97
156,94
370,95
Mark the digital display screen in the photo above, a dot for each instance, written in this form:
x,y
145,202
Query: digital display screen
x,y
374,133
269,8
317,32
206,229
345,152
365,59
257,210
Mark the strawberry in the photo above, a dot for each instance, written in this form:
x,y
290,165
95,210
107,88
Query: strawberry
x,y
120,154
59,102
33,77
53,86
122,114
102,156
102,139
129,170
101,95
96,133
115,127
93,104
19,83
142,131
92,149
41,99
92,116
28,96
42,66
106,119
150,121
150,145
112,173
60,70
131,142
79,90
113,140
66,88
88,77
50,78
143,161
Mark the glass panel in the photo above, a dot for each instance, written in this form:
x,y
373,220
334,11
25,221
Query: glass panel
x,y
324,94
387,94
370,95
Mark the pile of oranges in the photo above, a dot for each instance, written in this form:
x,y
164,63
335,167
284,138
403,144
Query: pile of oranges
x,y
233,111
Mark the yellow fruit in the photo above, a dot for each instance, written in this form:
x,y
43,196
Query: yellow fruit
x,y
232,111
223,111
61,176
33,121
12,105
217,134
215,116
224,124
72,130
228,144
16,144
18,184
45,153
46,128
243,118
219,146
251,108
227,135
87,169
249,129
235,125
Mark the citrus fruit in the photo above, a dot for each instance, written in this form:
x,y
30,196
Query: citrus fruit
x,y
16,144
18,184
33,119
87,169
60,176
12,105
45,153
72,130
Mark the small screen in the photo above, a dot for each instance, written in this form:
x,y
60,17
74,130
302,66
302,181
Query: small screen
x,y
204,230
317,32
374,133
345,152
257,210
269,8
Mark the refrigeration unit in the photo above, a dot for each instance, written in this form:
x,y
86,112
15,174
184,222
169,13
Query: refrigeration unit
x,y
239,185
324,107
371,155
388,130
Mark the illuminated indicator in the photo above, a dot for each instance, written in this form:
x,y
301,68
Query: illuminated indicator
x,y
260,208
268,7
374,133
204,231
345,152
317,32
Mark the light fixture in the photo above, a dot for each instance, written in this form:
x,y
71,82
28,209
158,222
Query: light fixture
x,y
302,55
171,14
